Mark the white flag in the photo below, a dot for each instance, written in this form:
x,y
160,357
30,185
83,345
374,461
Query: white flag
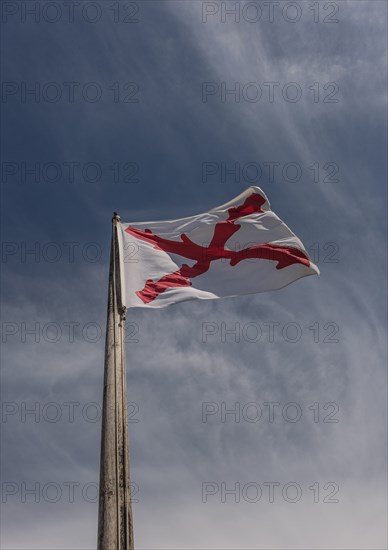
x,y
241,247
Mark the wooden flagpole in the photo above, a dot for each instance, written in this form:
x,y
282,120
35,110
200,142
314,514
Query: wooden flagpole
x,y
115,526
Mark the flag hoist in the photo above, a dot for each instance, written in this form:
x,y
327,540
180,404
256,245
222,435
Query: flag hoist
x,y
241,247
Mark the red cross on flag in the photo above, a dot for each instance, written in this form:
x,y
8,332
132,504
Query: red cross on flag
x,y
241,247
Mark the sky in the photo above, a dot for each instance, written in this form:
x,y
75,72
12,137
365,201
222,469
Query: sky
x,y
160,110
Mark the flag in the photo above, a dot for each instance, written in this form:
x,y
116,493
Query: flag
x,y
241,247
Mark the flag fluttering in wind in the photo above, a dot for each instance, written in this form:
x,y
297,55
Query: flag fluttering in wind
x,y
241,247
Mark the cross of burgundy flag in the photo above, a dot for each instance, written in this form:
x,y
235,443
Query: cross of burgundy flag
x,y
241,247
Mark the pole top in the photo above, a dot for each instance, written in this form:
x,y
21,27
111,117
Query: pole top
x,y
116,217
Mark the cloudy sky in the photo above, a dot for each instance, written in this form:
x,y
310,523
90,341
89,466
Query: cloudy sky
x,y
162,109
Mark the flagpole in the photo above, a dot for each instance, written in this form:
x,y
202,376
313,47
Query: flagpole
x,y
115,526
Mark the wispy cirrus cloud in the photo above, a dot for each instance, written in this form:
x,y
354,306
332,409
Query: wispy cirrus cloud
x,y
191,364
